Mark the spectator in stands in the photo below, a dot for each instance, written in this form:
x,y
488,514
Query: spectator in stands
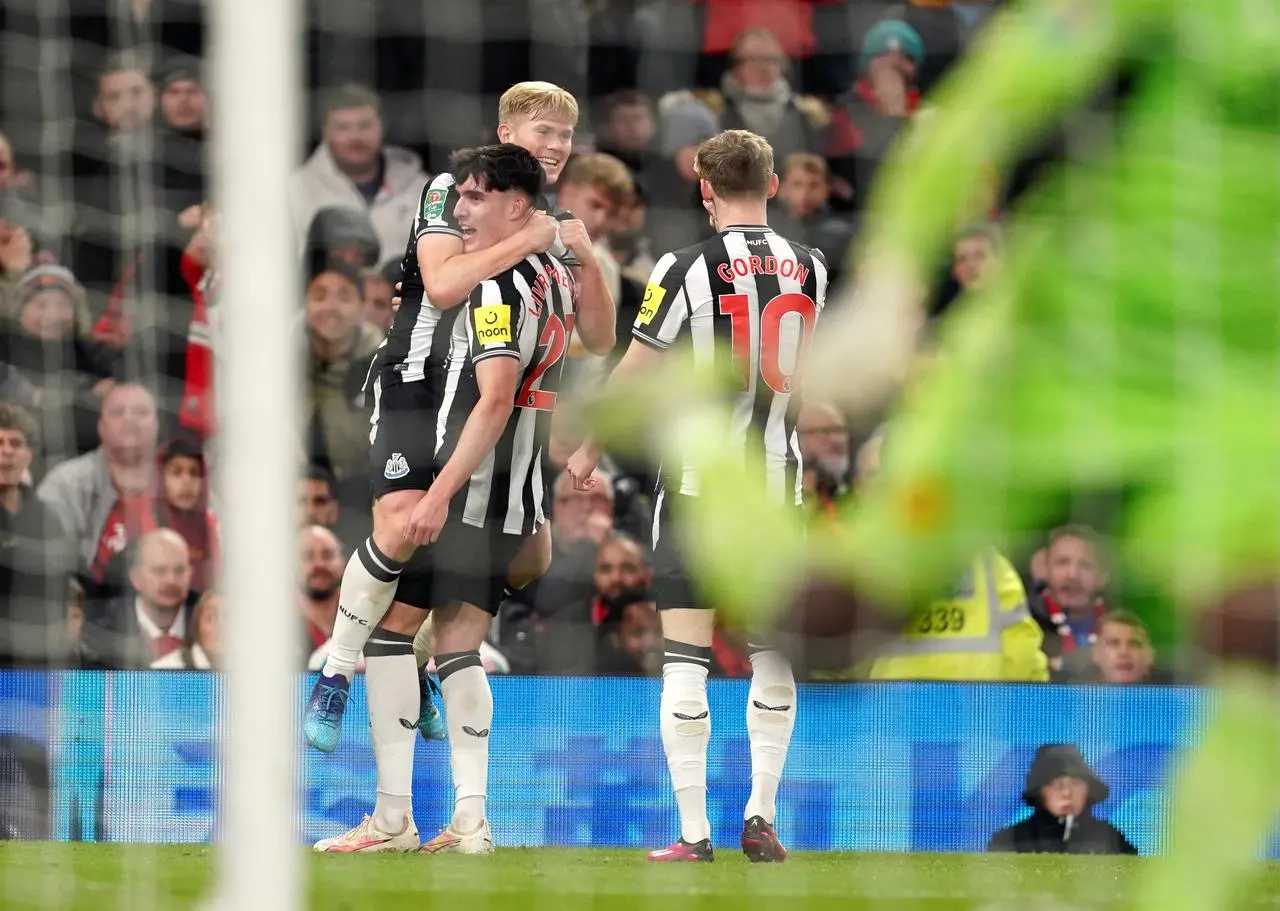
x,y
376,293
319,575
675,217
47,343
628,130
1122,652
352,167
183,103
10,177
944,28
975,255
622,568
340,233
755,95
183,505
317,503
867,120
339,348
202,645
1070,603
148,621
824,447
1062,791
627,240
17,256
594,187
35,561
630,642
184,114
104,498
802,211
126,99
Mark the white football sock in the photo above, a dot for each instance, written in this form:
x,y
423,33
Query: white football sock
x,y
686,731
771,717
422,643
468,708
391,683
368,588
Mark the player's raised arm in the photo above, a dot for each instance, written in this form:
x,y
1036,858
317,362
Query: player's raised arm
x,y
491,332
448,274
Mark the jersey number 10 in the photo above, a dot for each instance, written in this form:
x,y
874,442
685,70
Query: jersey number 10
x,y
738,308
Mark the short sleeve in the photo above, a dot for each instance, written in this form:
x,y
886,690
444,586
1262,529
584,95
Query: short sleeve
x,y
491,318
435,208
665,308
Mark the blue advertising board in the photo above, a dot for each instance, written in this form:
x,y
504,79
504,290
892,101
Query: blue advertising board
x,y
133,756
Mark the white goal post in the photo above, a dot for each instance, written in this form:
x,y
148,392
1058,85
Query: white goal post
x,y
257,103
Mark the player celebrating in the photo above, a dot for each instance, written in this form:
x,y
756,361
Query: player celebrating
x,y
746,300
495,364
1154,262
440,270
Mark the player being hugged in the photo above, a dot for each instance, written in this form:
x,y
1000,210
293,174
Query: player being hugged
x,y
441,268
747,301
475,448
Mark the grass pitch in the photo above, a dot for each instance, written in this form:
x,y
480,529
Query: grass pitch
x,y
43,876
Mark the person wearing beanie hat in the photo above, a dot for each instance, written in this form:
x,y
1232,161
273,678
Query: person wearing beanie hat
x,y
866,121
888,37
686,122
339,232
182,99
1062,790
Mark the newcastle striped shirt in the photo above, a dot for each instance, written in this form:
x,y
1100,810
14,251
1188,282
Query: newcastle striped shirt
x,y
527,313
747,298
413,336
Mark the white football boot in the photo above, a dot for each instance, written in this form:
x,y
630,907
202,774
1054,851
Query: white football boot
x,y
367,838
449,841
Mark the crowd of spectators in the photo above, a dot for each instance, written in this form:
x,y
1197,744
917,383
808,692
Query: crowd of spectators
x,y
109,293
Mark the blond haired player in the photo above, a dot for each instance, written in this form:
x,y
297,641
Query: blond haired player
x,y
438,275
744,303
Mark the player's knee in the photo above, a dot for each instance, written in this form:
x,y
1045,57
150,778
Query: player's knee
x,y
1244,626
403,619
390,515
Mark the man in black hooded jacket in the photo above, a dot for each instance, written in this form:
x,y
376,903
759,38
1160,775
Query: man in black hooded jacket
x,y
1062,790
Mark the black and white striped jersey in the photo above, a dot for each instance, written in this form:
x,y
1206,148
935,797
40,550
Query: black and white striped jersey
x,y
528,313
748,299
413,331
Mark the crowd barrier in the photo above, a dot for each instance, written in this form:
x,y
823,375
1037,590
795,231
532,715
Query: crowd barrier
x,y
133,757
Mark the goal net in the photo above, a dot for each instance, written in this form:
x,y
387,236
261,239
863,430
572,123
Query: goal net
x,y
204,209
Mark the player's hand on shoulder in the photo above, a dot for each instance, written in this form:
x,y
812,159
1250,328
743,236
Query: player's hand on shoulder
x,y
396,301
426,520
581,465
573,234
540,231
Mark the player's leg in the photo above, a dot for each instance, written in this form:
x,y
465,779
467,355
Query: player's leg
x,y
392,693
473,566
401,469
771,718
368,586
684,715
529,564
